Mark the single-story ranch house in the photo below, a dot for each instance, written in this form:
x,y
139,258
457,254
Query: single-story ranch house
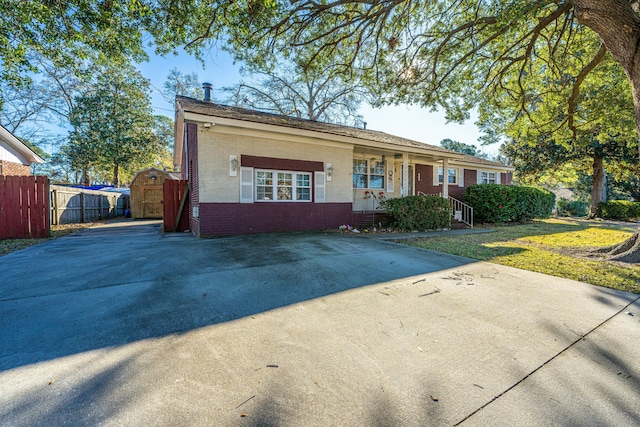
x,y
252,172
15,157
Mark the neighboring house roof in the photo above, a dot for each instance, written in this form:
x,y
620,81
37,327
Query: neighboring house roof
x,y
17,147
204,108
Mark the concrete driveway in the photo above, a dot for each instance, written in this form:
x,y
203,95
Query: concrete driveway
x,y
120,325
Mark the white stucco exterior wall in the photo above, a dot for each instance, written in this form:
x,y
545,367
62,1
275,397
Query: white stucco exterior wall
x,y
217,143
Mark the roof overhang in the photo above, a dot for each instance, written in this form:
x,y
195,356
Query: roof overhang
x,y
19,146
213,121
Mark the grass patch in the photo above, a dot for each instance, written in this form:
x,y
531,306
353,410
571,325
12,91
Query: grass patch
x,y
11,245
550,246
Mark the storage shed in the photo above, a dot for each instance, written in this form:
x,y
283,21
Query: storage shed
x,y
146,193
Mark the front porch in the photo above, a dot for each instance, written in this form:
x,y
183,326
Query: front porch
x,y
380,175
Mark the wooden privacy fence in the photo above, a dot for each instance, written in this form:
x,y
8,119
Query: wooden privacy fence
x,y
71,205
175,201
24,207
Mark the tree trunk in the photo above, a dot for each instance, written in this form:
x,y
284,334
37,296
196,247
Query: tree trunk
x,y
618,26
116,177
627,251
85,178
605,187
596,186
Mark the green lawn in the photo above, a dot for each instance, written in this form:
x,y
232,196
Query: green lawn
x,y
554,246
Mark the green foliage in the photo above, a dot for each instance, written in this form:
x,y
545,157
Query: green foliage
x,y
568,207
112,123
461,147
433,53
622,210
67,33
495,203
418,212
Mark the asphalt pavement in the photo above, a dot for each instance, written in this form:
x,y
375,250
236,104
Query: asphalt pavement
x,y
122,325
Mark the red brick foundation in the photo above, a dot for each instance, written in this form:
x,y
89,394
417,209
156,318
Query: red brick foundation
x,y
222,219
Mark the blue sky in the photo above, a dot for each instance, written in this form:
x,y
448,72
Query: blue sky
x,y
406,121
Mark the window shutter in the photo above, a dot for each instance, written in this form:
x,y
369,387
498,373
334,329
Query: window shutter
x,y
246,185
479,179
319,187
390,178
435,175
498,178
460,177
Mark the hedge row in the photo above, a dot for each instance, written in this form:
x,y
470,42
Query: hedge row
x,y
418,212
622,210
495,203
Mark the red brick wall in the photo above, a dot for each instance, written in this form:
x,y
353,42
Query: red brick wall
x,y
220,219
14,169
425,183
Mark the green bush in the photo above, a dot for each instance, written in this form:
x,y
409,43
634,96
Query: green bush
x,y
495,203
418,212
622,210
568,207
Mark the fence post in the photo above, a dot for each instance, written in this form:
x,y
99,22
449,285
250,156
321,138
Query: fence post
x,y
81,207
54,202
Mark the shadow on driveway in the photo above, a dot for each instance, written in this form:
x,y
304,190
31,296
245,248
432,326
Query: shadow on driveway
x,y
123,326
113,285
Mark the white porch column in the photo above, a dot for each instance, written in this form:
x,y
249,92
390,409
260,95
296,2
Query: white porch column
x,y
404,191
445,178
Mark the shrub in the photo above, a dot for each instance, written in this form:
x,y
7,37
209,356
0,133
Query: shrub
x,y
506,203
568,207
622,210
418,212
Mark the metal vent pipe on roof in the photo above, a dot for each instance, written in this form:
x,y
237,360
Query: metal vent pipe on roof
x,y
207,87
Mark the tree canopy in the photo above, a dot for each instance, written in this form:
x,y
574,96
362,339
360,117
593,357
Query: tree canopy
x,y
113,122
67,33
179,83
451,54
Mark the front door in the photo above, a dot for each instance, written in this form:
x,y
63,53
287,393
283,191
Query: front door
x,y
409,191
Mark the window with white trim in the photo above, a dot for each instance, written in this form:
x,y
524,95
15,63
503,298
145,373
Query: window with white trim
x,y
487,177
368,174
283,186
452,176
376,174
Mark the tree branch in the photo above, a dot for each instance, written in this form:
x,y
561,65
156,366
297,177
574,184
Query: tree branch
x,y
572,101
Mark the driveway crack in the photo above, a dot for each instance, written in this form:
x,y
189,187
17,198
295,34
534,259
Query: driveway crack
x,y
580,338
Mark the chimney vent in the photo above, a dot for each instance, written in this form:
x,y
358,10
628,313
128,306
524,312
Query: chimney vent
x,y
364,124
207,87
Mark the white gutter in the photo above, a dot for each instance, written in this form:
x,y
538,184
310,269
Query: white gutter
x,y
19,146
